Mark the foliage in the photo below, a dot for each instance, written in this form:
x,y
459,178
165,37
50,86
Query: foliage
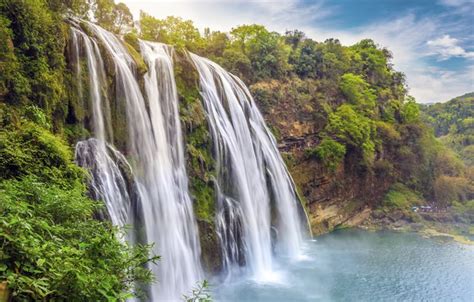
x,y
12,83
266,50
330,152
452,188
237,62
453,122
410,111
200,293
353,129
328,60
358,92
35,67
53,249
113,17
401,197
29,148
172,30
457,112
464,208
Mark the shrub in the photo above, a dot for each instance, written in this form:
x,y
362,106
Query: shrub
x,y
410,112
401,197
387,132
32,150
53,249
353,129
330,152
464,208
358,92
449,188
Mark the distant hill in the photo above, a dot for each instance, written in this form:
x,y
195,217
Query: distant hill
x,y
453,123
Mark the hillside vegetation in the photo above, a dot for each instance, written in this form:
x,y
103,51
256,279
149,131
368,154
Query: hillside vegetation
x,y
453,123
354,141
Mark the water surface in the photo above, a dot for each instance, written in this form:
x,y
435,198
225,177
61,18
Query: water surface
x,y
354,265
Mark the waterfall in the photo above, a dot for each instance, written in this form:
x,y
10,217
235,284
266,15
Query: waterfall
x,y
177,232
251,176
257,210
107,183
100,159
155,149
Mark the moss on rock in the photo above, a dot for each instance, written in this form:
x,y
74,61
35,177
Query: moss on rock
x,y
199,159
137,58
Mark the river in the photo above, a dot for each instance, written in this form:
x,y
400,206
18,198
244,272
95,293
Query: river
x,y
354,265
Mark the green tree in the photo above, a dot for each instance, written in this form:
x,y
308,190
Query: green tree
x,y
266,51
354,130
123,18
172,30
372,62
358,92
330,152
410,111
37,37
113,17
104,13
13,85
215,43
237,63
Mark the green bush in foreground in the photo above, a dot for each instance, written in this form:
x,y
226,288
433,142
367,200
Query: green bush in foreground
x,y
28,149
53,249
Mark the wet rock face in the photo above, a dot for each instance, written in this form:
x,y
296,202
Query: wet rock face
x,y
210,248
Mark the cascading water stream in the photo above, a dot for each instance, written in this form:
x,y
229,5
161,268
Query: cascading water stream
x,y
107,182
156,151
250,175
255,194
178,229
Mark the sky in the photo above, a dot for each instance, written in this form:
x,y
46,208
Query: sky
x,y
432,41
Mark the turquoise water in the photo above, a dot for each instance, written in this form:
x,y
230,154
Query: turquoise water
x,y
365,266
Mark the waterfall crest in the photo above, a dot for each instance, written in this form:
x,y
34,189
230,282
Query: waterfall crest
x,y
251,175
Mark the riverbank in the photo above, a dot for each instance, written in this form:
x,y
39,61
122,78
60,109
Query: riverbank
x,y
442,225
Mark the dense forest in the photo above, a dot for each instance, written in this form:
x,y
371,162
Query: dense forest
x,y
358,146
453,124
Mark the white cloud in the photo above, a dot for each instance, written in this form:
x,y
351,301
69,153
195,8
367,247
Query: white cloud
x,y
457,3
225,14
446,47
431,84
406,36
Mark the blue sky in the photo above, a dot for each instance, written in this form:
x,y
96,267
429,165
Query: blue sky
x,y
432,41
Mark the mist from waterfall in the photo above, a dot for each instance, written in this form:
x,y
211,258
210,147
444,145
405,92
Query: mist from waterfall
x,y
251,176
